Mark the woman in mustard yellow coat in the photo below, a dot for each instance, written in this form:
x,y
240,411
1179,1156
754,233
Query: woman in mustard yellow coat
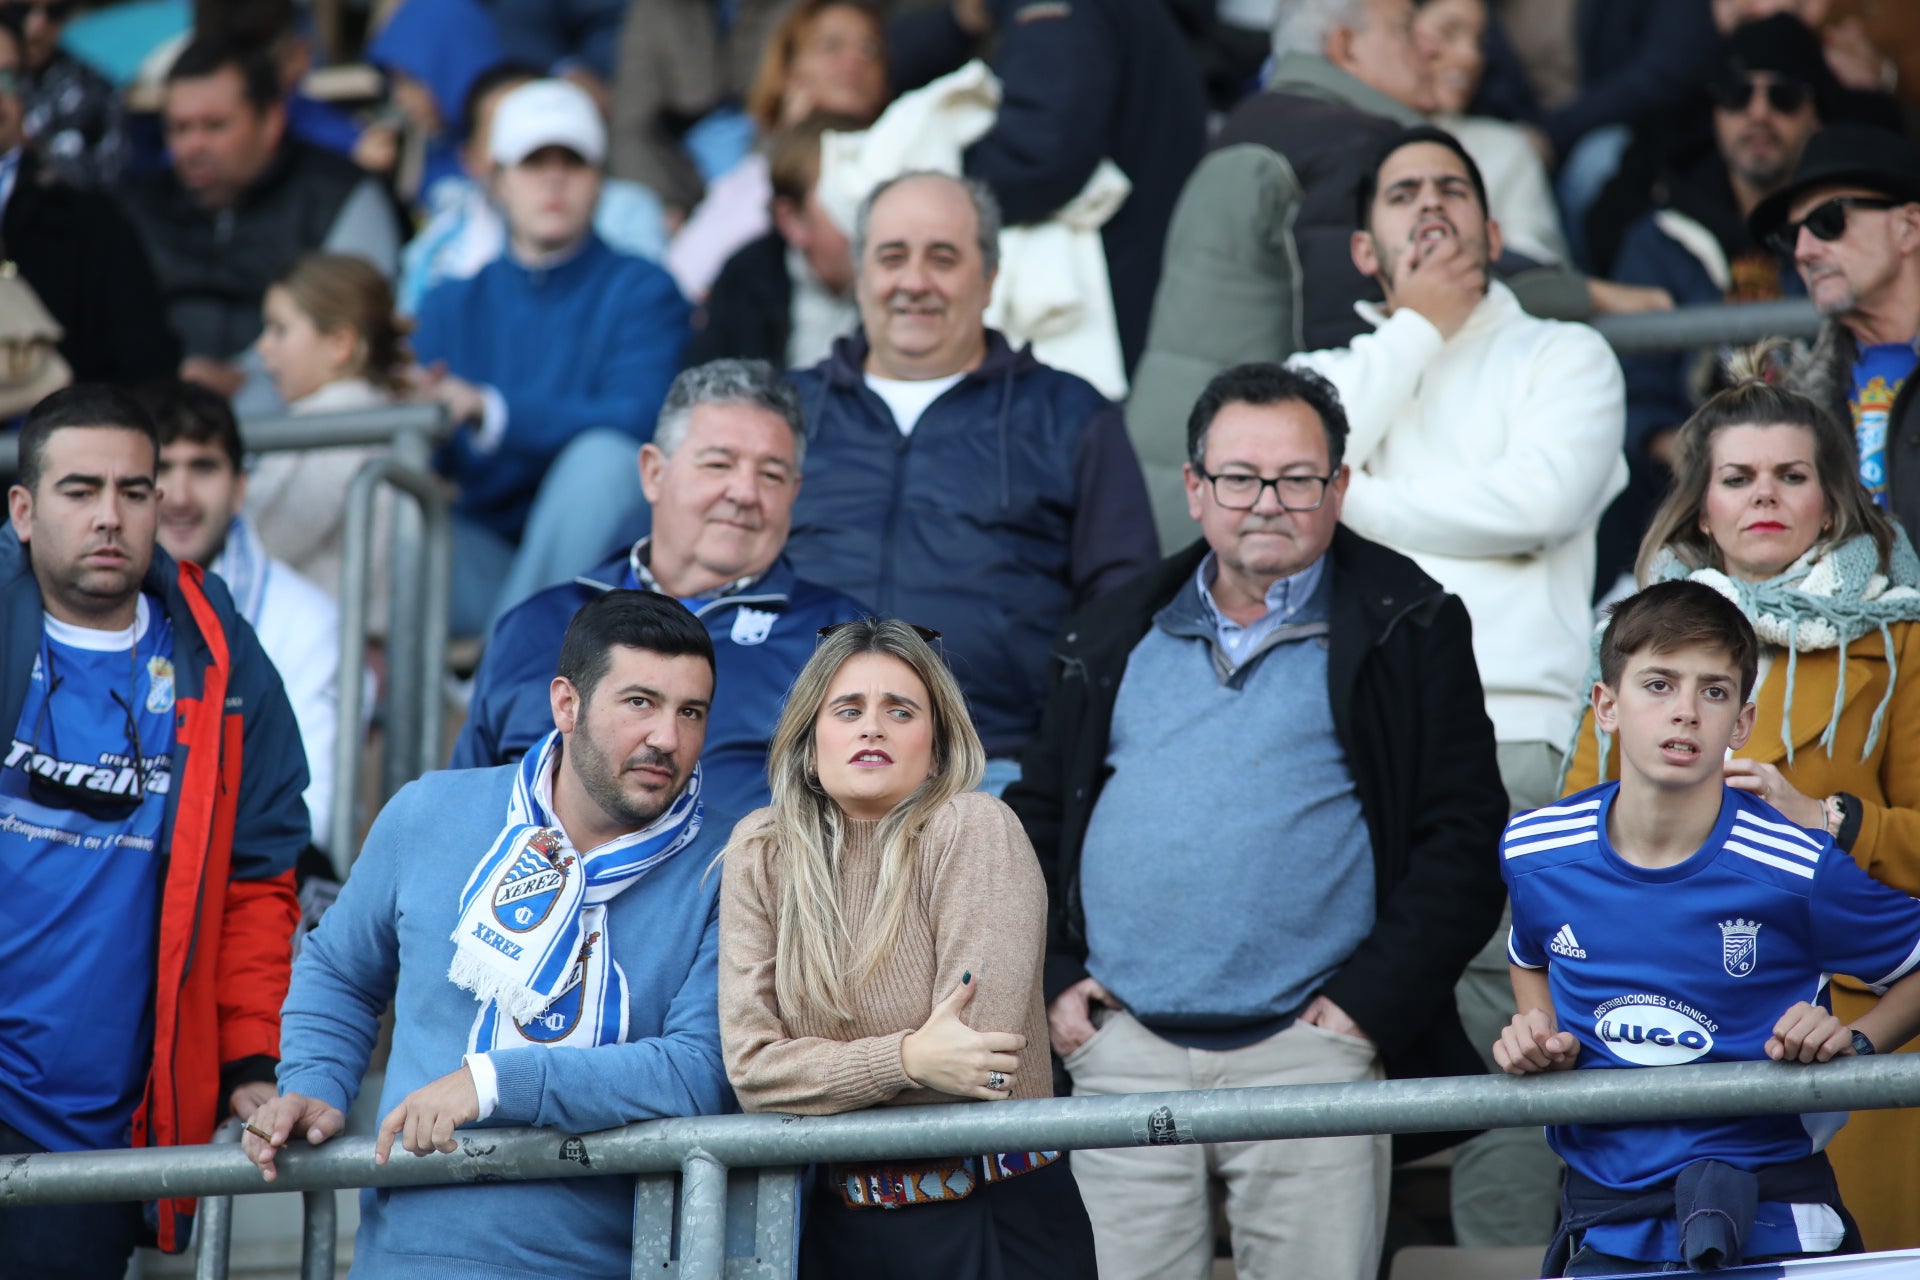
x,y
1767,507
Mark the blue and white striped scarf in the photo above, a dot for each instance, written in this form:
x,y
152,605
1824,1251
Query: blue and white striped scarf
x,y
531,942
243,564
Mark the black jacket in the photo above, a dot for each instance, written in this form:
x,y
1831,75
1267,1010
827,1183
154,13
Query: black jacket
x,y
1410,715
82,258
214,266
749,311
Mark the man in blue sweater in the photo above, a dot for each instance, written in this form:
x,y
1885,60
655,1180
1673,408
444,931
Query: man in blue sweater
x,y
474,890
1262,793
722,472
553,359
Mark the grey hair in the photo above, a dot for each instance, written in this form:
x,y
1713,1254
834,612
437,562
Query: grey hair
x,y
986,212
1302,26
748,382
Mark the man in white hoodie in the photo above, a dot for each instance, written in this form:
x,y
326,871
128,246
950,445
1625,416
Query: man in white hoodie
x,y
1485,445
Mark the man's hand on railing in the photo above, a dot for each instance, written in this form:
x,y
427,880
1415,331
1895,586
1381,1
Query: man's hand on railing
x,y
280,1119
1533,1043
426,1118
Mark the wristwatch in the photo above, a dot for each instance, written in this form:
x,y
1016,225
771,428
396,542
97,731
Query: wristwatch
x,y
1862,1047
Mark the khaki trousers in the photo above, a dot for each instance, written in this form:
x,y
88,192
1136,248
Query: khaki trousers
x,y
1308,1207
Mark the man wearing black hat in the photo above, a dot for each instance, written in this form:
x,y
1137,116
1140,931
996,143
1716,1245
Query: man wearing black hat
x,y
1768,93
1851,219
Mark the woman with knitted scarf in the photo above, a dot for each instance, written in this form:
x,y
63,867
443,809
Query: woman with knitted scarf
x,y
1767,509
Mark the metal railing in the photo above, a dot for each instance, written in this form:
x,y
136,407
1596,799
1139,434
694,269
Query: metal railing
x,y
356,429
1724,324
701,1151
420,565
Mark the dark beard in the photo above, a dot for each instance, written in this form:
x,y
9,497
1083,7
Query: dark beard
x,y
600,777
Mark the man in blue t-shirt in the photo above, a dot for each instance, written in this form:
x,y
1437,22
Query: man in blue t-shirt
x,y
149,817
1850,217
1670,918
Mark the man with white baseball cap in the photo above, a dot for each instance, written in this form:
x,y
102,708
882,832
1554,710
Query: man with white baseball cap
x,y
553,360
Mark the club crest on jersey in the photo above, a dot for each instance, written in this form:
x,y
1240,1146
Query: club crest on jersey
x,y
526,896
159,686
752,626
1739,946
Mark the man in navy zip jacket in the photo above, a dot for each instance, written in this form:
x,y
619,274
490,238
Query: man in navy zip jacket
x,y
722,472
959,484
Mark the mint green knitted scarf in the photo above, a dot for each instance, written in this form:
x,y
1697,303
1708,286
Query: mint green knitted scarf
x,y
1827,599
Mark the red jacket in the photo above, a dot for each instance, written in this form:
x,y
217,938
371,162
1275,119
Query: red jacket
x,y
235,823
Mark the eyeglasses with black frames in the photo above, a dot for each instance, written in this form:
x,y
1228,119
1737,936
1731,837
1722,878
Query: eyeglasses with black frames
x,y
1240,492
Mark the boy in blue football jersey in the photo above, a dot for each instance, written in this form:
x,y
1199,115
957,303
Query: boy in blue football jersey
x,y
1669,918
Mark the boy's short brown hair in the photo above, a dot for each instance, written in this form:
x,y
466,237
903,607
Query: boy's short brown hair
x,y
1679,615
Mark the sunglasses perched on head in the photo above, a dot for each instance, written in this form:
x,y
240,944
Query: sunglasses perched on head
x,y
1784,96
925,633
1827,221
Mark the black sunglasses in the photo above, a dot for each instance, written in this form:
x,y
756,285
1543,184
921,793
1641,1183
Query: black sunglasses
x,y
1784,96
925,633
1827,221
52,793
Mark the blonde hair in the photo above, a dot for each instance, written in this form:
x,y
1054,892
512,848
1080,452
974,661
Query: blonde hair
x,y
817,960
1755,400
766,97
341,291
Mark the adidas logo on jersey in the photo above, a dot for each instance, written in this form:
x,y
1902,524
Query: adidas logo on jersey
x,y
1565,944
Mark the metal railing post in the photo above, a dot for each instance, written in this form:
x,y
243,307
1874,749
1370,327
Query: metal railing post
x,y
213,1234
776,1224
320,1230
415,708
653,1195
703,1217
406,646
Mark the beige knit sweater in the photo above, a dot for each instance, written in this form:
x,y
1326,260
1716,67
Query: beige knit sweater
x,y
979,906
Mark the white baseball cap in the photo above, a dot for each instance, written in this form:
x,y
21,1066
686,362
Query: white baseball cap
x,y
547,113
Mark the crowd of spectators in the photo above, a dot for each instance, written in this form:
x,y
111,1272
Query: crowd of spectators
x,y
1114,499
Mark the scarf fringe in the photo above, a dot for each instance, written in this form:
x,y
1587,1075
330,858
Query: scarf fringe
x,y
490,986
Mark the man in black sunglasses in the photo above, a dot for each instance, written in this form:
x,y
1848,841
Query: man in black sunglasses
x,y
150,815
1851,219
1769,93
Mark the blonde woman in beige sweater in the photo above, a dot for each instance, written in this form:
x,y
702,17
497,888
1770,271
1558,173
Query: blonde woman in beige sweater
x,y
882,927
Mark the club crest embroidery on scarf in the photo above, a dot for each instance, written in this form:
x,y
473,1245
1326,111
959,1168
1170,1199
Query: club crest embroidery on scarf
x,y
531,942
